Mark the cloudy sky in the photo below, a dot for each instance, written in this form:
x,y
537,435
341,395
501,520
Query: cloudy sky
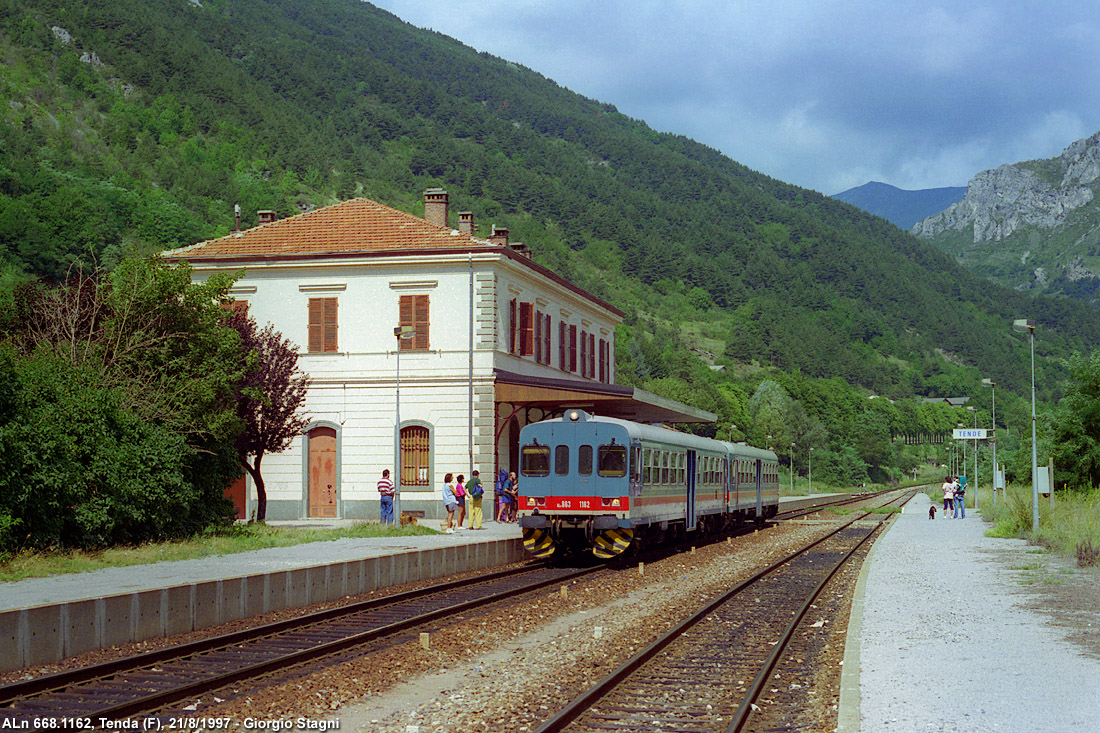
x,y
825,94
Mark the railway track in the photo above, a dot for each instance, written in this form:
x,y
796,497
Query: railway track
x,y
146,683
707,673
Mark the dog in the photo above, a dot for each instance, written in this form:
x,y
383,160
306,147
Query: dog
x,y
932,512
407,519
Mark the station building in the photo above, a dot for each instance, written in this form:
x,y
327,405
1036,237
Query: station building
x,y
463,339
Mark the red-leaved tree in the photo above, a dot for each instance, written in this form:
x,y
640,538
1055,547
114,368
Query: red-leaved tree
x,y
271,393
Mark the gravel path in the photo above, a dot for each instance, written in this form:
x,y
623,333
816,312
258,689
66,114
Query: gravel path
x,y
951,638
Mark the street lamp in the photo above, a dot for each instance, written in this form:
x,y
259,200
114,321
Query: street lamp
x,y
1024,325
811,489
992,385
792,469
399,332
975,492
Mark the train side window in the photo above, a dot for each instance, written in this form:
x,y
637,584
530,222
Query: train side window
x,y
535,460
636,465
561,460
664,467
611,460
681,463
584,460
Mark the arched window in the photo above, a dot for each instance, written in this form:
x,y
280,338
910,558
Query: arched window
x,y
415,445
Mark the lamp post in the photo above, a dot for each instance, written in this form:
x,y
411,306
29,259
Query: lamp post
x,y
1024,325
811,489
960,466
975,460
399,332
792,469
992,385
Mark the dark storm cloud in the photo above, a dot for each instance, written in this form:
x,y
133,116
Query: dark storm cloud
x,y
827,95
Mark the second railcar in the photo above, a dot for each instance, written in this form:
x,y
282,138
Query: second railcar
x,y
605,485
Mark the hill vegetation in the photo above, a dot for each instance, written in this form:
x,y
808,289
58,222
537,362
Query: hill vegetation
x,y
133,127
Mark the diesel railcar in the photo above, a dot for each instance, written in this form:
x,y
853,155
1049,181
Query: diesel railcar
x,y
606,485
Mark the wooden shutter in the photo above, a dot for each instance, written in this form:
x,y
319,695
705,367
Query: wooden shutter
x,y
414,312
538,336
591,356
584,353
563,351
546,340
603,360
236,306
512,326
322,325
572,348
526,329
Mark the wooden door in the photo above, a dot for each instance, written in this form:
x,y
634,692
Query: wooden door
x,y
322,472
238,493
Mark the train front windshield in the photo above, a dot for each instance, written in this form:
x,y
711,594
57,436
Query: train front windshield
x,y
612,460
535,460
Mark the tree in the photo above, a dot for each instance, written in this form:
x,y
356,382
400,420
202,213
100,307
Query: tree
x,y
1076,442
116,418
271,392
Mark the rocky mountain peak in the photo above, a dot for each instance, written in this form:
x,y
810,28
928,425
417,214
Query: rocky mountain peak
x,y
1001,201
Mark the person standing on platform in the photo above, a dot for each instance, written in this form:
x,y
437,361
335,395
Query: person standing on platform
x,y
960,498
450,502
460,494
948,496
385,490
504,514
475,491
498,494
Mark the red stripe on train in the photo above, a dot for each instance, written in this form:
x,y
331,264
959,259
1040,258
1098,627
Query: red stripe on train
x,y
575,503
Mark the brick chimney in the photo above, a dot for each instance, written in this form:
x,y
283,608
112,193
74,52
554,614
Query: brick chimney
x,y
435,206
466,223
520,249
266,216
499,236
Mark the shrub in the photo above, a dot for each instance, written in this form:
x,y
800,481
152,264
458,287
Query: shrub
x,y
1087,554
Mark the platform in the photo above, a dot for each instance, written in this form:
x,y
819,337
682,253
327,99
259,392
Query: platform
x,y
944,637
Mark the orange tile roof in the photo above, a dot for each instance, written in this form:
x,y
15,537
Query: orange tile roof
x,y
355,226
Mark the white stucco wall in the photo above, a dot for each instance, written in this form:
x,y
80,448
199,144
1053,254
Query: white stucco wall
x,y
354,388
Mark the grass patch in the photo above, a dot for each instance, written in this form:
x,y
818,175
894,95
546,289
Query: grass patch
x,y
1071,527
223,541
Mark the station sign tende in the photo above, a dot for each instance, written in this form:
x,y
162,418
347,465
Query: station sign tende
x,y
969,434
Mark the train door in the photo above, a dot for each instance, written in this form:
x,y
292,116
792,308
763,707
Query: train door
x,y
690,518
759,471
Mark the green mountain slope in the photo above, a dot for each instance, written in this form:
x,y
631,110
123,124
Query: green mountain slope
x,y
182,108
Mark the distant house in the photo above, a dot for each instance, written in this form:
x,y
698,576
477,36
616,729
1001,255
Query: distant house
x,y
494,341
953,401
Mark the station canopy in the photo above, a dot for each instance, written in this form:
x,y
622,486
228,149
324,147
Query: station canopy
x,y
553,396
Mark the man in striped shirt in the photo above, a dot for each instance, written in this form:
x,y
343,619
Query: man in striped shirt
x,y
385,488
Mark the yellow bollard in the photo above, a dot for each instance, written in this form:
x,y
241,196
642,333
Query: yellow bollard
x,y
564,592
424,640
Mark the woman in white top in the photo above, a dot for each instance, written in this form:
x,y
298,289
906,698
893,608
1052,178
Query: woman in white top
x,y
948,497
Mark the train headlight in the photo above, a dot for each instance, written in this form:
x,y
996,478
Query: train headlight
x,y
574,415
615,502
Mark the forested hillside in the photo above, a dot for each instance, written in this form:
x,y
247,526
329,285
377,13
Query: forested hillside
x,y
134,126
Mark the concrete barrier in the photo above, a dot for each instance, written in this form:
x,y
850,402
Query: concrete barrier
x,y
50,633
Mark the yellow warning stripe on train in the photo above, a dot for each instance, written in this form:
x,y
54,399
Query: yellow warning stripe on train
x,y
612,542
538,543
